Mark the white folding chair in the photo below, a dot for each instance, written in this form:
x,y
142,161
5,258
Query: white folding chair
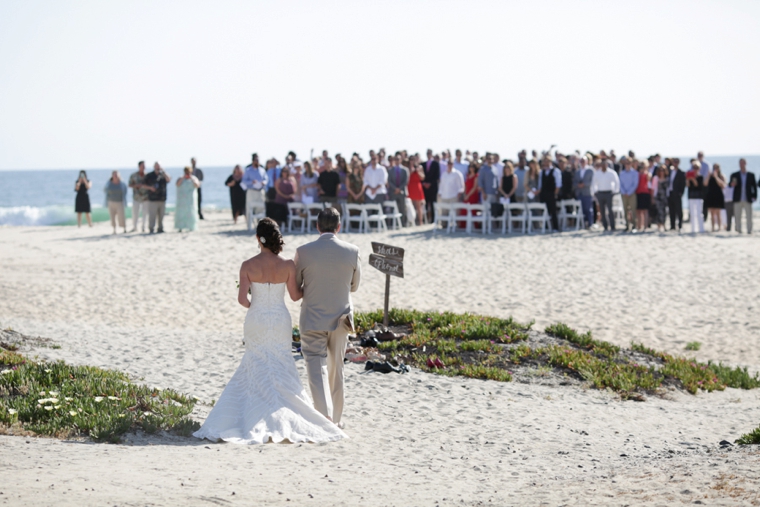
x,y
477,213
570,211
443,215
460,210
537,213
393,214
296,213
517,213
373,214
618,210
312,214
353,214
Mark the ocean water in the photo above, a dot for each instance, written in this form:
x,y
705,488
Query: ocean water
x,y
46,197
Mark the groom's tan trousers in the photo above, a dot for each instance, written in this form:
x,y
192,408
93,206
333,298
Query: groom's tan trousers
x,y
324,352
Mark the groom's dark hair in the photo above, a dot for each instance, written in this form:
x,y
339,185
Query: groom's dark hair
x,y
328,220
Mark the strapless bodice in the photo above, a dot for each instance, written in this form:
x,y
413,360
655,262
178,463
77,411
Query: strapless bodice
x,y
267,294
268,322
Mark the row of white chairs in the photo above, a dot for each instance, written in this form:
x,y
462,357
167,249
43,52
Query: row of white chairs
x,y
359,218
528,217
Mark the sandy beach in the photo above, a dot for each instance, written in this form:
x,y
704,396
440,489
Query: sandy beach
x,y
163,309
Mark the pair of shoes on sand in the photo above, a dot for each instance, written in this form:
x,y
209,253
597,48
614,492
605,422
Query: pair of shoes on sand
x,y
385,367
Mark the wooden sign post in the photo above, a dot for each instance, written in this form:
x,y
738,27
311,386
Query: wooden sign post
x,y
389,260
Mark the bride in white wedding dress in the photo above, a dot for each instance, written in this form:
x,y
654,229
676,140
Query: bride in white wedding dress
x,y
265,400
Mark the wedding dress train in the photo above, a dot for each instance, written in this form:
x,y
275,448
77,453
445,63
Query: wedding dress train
x,y
265,399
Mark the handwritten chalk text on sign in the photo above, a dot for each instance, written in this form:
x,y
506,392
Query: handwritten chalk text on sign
x,y
387,266
391,252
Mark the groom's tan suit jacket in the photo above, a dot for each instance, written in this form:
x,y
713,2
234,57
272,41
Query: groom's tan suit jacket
x,y
329,271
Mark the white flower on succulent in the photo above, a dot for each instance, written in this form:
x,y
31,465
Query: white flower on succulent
x,y
98,399
48,408
12,411
113,398
6,372
48,371
72,413
57,407
68,398
53,393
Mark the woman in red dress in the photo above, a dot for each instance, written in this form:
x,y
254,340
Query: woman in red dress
x,y
414,188
471,194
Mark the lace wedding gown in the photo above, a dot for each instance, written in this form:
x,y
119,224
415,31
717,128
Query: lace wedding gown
x,y
265,398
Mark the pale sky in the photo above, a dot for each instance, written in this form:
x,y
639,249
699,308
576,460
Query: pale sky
x,y
108,83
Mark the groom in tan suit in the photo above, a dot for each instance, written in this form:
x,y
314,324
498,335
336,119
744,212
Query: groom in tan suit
x,y
328,269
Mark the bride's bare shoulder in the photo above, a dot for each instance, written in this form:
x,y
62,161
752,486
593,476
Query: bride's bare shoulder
x,y
251,265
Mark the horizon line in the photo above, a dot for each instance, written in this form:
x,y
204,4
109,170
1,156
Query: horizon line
x,y
149,168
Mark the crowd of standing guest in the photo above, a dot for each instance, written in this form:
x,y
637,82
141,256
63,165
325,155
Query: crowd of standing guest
x,y
651,188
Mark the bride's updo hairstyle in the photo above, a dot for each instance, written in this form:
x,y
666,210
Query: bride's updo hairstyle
x,y
269,235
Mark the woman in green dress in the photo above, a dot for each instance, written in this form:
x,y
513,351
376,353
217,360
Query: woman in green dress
x,y
185,216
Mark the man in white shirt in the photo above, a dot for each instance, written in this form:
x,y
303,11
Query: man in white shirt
x,y
255,180
459,164
606,184
375,179
451,187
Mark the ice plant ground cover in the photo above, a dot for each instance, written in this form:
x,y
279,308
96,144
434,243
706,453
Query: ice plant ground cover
x,y
486,347
56,399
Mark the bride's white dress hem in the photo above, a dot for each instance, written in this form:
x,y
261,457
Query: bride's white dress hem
x,y
264,400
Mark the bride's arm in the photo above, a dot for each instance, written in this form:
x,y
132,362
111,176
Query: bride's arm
x,y
294,290
245,284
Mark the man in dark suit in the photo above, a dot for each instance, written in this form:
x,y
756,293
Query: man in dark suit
x,y
675,194
745,193
430,185
398,179
550,183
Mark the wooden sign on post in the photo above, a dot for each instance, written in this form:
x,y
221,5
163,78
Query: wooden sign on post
x,y
389,260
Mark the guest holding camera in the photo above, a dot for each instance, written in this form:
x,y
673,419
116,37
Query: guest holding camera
x,y
156,182
237,194
82,203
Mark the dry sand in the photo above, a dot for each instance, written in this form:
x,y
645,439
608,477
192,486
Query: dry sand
x,y
163,308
